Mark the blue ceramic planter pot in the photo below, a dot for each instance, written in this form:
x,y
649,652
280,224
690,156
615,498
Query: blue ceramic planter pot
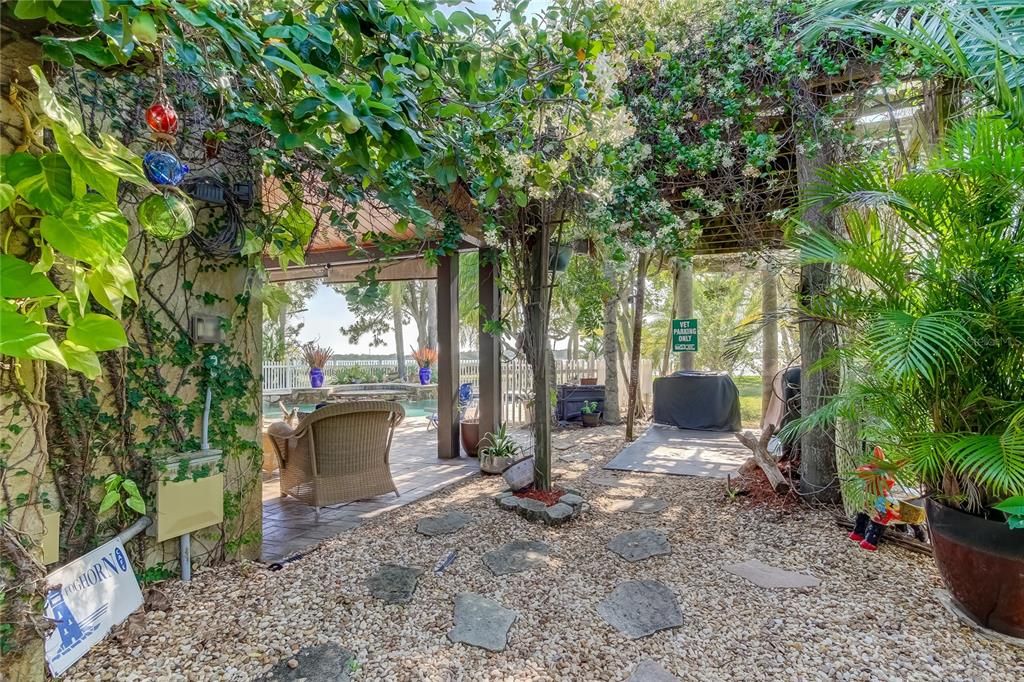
x,y
424,375
316,377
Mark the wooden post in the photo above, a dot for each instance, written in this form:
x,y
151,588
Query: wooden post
x,y
770,336
448,357
684,305
490,345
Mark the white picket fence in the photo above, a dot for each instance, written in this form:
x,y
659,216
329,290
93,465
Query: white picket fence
x,y
517,380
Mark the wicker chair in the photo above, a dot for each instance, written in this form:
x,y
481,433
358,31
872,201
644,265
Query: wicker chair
x,y
339,453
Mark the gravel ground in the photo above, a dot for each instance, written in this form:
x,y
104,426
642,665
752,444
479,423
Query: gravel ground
x,y
874,617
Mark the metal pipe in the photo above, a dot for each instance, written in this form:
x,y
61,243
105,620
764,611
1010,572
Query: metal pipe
x,y
185,556
141,524
205,444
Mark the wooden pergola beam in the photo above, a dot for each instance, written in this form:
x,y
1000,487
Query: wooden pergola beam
x,y
490,344
448,357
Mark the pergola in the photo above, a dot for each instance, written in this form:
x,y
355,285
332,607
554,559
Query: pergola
x,y
336,258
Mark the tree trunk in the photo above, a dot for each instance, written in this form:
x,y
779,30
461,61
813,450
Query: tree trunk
x,y
396,312
638,326
683,296
612,414
770,337
574,344
818,478
536,319
282,327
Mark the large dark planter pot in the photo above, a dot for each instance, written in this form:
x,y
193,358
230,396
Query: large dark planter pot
x,y
469,431
982,564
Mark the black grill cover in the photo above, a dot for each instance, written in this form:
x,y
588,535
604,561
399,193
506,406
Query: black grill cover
x,y
705,401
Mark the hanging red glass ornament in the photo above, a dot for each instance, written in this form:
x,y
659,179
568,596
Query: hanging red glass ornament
x,y
163,119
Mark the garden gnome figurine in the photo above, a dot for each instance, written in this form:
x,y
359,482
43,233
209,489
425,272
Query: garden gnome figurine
x,y
878,482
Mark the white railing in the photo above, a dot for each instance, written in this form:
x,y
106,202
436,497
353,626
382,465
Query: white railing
x,y
279,378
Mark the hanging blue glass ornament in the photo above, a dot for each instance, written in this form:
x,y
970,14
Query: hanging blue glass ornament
x,y
163,168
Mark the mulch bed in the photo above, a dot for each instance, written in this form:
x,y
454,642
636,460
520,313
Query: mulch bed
x,y
548,497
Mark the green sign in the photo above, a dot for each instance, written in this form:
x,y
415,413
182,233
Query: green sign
x,y
684,336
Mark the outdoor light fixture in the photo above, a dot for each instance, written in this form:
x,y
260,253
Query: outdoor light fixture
x,y
206,328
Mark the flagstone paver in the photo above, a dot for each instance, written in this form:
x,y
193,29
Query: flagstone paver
x,y
649,670
517,556
481,622
445,524
640,544
638,608
321,662
639,505
394,584
764,575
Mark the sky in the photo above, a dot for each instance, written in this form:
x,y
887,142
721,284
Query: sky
x,y
327,312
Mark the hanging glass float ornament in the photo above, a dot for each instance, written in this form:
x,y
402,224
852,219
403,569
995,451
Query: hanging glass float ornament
x,y
163,168
163,120
166,216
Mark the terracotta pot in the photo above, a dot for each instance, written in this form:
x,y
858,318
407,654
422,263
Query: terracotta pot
x,y
469,431
982,564
590,381
592,419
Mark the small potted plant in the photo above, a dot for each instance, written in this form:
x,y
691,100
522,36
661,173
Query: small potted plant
x,y
316,358
425,358
591,416
497,451
212,140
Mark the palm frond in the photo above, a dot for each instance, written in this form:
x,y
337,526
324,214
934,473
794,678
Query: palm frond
x,y
994,461
911,347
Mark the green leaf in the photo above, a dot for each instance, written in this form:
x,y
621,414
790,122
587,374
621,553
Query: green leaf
x,y
18,166
52,107
130,487
109,500
97,332
92,229
111,284
17,280
81,359
1013,506
7,195
49,190
23,338
136,503
85,170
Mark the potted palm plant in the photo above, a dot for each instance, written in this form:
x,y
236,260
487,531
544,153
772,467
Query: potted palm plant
x,y
932,300
498,450
316,358
425,358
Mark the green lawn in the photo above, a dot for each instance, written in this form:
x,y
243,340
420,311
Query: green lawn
x,y
750,400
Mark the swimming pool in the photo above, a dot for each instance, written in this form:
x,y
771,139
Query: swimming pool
x,y
413,408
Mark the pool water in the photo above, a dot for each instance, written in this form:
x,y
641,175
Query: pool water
x,y
413,408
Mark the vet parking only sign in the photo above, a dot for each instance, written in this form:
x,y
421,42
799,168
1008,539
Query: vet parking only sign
x,y
85,599
684,336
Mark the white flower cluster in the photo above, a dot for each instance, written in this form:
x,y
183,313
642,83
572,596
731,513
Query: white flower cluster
x,y
608,71
751,171
614,129
517,166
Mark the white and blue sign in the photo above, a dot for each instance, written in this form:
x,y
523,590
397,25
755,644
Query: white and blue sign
x,y
86,598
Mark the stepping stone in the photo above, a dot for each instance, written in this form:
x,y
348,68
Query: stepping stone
x,y
637,545
557,514
517,556
763,575
394,584
321,662
649,670
609,481
639,505
481,622
442,525
576,457
638,608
